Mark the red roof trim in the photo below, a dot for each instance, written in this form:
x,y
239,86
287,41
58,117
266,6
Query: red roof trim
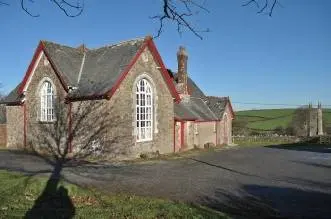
x,y
196,120
215,120
164,71
150,44
55,69
40,48
29,70
111,92
91,97
231,108
185,119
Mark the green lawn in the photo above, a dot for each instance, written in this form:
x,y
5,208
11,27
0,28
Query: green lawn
x,y
19,193
269,119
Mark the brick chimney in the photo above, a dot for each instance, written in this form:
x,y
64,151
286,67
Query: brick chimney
x,y
182,71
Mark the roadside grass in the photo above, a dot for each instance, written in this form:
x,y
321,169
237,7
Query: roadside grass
x,y
260,142
19,192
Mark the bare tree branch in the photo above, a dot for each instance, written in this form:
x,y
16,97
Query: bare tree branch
x,y
267,8
66,7
180,12
3,3
70,9
26,10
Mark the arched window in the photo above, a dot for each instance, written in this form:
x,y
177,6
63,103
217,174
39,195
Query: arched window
x,y
144,111
47,99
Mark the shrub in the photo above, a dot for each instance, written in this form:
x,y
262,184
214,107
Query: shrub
x,y
209,145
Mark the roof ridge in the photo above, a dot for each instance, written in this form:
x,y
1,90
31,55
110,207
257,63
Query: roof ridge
x,y
221,97
120,43
107,45
47,41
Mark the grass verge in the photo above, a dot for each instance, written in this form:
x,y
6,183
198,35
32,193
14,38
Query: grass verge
x,y
19,193
259,143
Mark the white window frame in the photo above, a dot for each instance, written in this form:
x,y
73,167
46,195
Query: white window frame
x,y
47,102
144,111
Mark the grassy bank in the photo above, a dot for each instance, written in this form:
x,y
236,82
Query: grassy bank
x,y
20,193
269,119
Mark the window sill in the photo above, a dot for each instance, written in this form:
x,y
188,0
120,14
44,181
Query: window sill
x,y
46,122
145,140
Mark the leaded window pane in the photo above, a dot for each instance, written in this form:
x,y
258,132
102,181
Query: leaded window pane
x,y
144,110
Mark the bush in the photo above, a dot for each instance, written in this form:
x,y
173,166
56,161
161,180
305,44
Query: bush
x,y
143,156
150,155
279,130
209,145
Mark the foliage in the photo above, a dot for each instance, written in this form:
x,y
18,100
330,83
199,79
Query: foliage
x,y
19,192
2,109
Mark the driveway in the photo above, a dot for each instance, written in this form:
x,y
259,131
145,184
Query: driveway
x,y
256,182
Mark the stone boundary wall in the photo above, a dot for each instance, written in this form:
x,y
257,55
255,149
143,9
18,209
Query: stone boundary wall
x,y
3,135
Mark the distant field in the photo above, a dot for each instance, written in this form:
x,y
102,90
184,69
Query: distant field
x,y
269,119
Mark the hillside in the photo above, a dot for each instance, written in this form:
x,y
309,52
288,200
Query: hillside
x,y
269,119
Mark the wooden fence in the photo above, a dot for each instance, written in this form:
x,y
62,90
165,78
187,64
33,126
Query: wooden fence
x,y
3,135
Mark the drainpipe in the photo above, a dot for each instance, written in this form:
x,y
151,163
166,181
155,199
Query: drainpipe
x,y
24,125
70,128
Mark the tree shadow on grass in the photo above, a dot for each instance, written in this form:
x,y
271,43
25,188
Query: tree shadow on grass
x,y
54,201
256,201
303,147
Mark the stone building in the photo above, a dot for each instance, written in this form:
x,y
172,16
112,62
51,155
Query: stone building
x,y
308,121
315,120
156,110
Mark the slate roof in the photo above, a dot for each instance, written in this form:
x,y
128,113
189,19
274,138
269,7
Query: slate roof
x,y
217,104
12,97
98,71
200,106
193,88
67,60
93,74
193,108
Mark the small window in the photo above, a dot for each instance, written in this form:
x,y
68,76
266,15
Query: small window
x,y
47,99
215,126
196,128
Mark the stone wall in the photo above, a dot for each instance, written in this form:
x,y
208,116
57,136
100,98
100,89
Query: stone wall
x,y
226,127
3,135
35,128
189,134
121,109
206,133
119,140
15,126
123,104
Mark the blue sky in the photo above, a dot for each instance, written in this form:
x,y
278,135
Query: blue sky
x,y
249,57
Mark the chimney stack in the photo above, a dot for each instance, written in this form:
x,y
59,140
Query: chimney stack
x,y
182,71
